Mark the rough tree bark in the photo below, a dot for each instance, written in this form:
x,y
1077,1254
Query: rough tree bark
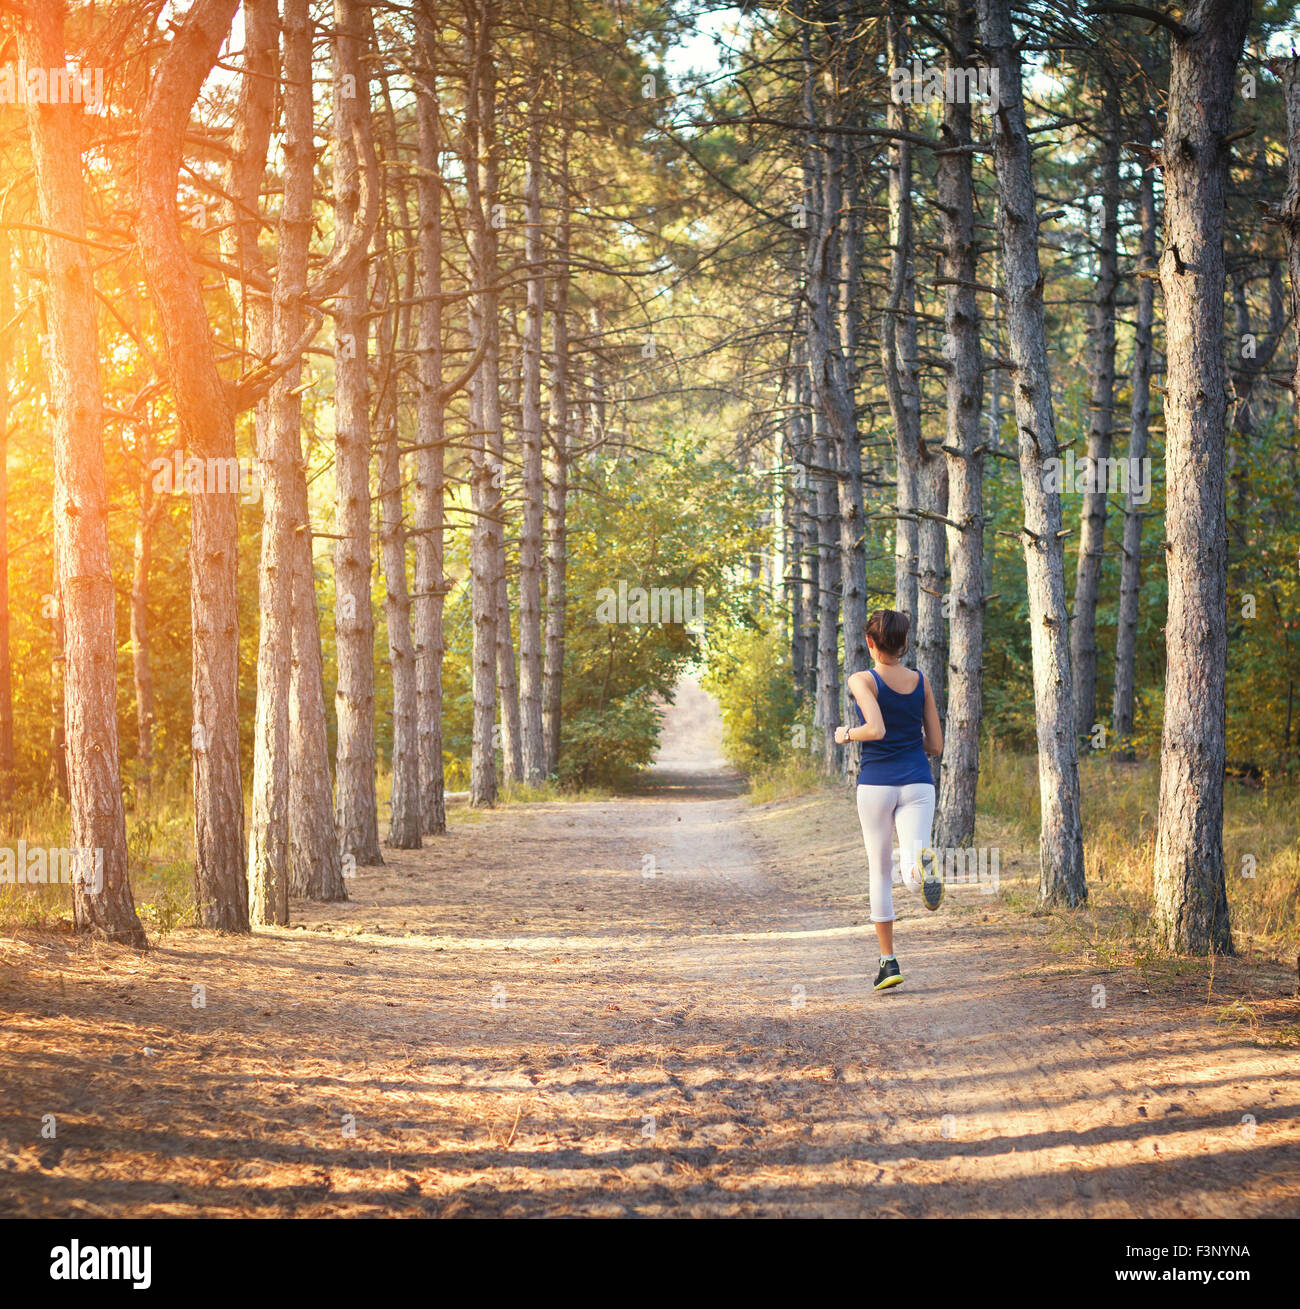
x,y
289,737
101,893
404,821
512,753
1288,212
141,665
821,200
530,541
1061,874
315,859
557,476
486,544
955,817
356,805
430,440
898,347
1190,891
6,663
205,416
1101,407
1139,426
796,539
849,494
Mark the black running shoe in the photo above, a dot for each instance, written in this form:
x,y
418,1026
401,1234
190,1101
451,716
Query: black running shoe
x,y
931,881
889,975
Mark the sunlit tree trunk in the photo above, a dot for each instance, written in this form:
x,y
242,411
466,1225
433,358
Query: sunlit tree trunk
x,y
205,416
1061,839
530,542
6,664
404,810
315,862
1190,892
430,453
57,771
486,545
279,451
101,896
356,805
556,472
141,666
955,817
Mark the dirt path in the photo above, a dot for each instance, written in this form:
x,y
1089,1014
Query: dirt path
x,y
611,1008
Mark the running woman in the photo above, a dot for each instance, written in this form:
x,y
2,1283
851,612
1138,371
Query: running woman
x,y
897,725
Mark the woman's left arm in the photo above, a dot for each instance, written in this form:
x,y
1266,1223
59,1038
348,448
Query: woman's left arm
x,y
932,730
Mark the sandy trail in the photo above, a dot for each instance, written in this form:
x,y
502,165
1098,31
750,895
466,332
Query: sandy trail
x,y
612,1008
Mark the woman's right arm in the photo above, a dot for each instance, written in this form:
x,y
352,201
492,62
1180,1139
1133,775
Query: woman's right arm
x,y
862,686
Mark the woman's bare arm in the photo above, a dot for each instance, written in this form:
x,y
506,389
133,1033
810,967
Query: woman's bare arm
x,y
863,688
932,730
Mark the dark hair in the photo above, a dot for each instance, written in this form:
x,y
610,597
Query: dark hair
x,y
888,630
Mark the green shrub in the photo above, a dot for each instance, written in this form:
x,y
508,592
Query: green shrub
x,y
750,676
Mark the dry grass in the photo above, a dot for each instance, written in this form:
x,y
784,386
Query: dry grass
x,y
1261,837
809,827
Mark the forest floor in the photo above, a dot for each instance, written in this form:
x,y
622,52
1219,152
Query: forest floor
x,y
658,1004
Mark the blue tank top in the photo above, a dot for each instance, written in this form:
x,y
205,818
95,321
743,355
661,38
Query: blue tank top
x,y
898,758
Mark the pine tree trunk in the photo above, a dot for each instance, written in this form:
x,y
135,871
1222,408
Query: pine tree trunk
x,y
1288,212
268,839
530,541
101,894
805,485
404,822
356,804
959,770
796,539
141,668
557,483
6,658
1190,892
57,775
512,758
932,575
841,393
205,417
898,350
831,425
315,857
1061,842
486,543
430,454
1092,527
827,712
281,814
1139,423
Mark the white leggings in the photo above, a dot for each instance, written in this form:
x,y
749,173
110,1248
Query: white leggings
x,y
880,809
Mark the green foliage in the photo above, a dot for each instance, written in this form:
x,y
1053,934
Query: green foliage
x,y
750,676
606,743
678,522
